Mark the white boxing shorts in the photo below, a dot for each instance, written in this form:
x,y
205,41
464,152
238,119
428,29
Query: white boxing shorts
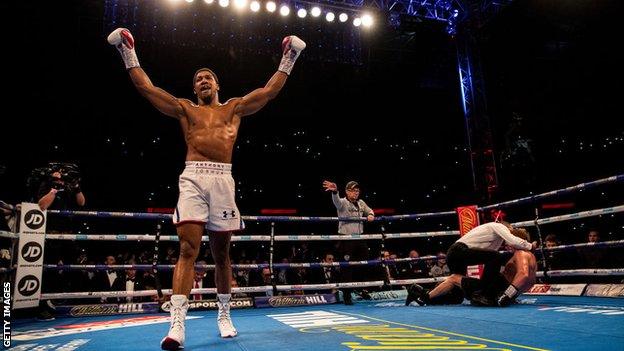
x,y
207,193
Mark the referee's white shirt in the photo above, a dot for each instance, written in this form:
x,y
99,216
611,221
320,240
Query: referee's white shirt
x,y
491,236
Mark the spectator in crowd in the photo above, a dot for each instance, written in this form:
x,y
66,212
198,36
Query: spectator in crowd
x,y
440,269
389,270
302,253
282,274
171,259
551,241
393,268
171,254
200,281
81,280
150,284
133,284
413,269
242,275
327,274
593,236
592,257
110,280
237,294
9,218
300,277
429,264
553,259
5,258
265,274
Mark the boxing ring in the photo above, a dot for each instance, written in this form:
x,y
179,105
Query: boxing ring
x,y
542,323
537,322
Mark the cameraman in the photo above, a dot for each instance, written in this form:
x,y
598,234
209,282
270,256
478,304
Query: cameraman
x,y
60,192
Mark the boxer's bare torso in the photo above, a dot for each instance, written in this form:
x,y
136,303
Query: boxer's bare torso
x,y
210,132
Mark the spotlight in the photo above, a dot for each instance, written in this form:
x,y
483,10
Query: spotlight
x,y
316,11
255,6
302,13
330,17
208,1
224,3
189,1
357,21
343,17
284,10
270,6
367,20
240,4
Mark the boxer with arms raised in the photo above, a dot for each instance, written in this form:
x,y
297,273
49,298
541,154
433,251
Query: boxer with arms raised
x,y
206,186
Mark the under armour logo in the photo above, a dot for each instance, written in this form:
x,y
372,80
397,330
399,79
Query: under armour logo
x,y
231,214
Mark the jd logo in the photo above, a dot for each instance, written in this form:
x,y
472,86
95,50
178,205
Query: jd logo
x,y
32,251
28,285
34,219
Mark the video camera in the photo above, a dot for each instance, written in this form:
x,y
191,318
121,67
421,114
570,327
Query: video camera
x,y
70,175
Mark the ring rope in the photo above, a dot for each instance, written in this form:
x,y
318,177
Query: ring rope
x,y
145,267
583,272
265,288
533,198
577,215
166,216
8,235
613,243
377,283
150,237
95,267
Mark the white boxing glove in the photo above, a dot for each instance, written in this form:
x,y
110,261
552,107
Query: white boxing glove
x,y
124,42
292,47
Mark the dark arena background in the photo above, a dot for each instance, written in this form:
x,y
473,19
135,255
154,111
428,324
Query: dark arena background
x,y
430,105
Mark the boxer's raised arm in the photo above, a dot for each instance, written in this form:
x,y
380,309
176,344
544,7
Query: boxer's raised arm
x,y
257,99
159,98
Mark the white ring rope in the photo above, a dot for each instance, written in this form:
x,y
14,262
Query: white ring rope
x,y
376,283
577,215
148,237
